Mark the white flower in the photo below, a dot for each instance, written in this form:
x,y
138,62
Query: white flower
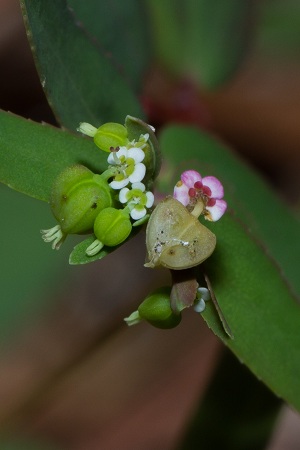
x,y
137,200
130,168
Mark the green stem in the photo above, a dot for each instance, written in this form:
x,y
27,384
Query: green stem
x,y
198,209
109,173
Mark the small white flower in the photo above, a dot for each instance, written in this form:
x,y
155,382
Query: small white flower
x,y
137,200
130,168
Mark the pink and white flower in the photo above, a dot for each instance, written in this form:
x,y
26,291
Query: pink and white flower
x,y
192,188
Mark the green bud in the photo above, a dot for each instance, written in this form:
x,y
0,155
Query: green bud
x,y
112,226
77,197
110,135
156,309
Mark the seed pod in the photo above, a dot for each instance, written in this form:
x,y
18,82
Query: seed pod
x,y
77,197
157,311
112,226
175,238
110,135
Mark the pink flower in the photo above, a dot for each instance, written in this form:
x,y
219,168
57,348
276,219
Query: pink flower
x,y
192,188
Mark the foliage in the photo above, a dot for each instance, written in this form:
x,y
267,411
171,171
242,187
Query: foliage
x,y
98,78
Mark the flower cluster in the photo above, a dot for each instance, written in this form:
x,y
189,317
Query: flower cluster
x,y
85,202
201,195
128,165
125,166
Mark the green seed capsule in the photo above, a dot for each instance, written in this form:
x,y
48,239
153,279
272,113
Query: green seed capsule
x,y
156,309
77,197
110,135
112,226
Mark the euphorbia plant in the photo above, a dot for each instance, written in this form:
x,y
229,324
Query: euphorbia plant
x,y
100,181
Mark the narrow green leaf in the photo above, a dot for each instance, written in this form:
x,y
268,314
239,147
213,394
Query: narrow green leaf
x,y
200,39
247,277
121,31
79,79
32,155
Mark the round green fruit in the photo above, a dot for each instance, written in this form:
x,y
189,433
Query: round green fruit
x,y
156,309
112,226
77,197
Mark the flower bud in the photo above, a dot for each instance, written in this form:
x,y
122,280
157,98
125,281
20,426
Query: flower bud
x,y
77,197
112,226
156,309
110,135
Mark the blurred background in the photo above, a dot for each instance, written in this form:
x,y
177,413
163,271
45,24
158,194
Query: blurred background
x,y
72,375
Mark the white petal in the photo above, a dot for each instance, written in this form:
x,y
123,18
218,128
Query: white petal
x,y
123,195
136,153
190,177
181,193
217,190
138,173
137,214
216,211
122,152
150,199
139,186
110,159
119,184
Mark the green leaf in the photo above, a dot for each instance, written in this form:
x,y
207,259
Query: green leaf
x,y
277,31
79,78
121,31
32,155
201,39
78,255
252,282
31,273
